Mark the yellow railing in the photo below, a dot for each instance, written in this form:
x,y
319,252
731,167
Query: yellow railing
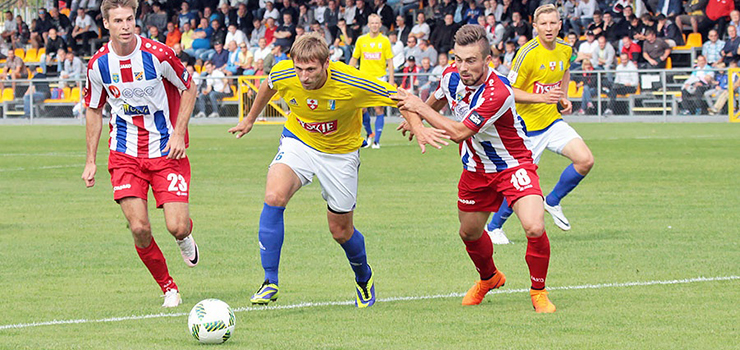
x,y
733,75
276,109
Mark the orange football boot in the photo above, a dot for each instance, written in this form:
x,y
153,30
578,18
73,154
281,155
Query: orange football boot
x,y
475,294
541,302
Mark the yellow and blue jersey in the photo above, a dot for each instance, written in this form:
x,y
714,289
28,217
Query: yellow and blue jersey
x,y
373,54
537,70
329,119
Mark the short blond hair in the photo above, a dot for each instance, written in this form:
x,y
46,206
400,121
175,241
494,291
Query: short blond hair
x,y
108,5
549,8
310,47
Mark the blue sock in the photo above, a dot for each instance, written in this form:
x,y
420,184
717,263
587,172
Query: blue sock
x,y
500,216
366,123
569,179
379,122
271,233
355,250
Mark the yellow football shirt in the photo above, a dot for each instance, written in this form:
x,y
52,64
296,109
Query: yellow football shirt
x,y
537,70
329,119
373,54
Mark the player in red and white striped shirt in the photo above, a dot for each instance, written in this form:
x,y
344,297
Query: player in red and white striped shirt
x,y
142,80
497,161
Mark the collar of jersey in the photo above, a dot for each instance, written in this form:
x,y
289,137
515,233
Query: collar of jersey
x,y
138,46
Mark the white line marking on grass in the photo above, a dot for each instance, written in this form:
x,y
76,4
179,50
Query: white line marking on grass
x,y
384,300
45,167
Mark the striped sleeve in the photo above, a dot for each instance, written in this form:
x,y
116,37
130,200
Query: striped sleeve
x,y
367,91
95,93
281,71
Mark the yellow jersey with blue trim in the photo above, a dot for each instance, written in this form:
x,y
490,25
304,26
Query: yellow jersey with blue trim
x,y
373,54
537,70
329,119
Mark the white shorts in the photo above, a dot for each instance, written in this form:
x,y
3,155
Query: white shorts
x,y
337,173
554,138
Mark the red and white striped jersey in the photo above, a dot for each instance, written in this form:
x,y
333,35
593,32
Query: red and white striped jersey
x,y
500,141
143,90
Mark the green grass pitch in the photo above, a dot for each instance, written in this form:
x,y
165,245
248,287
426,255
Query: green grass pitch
x,y
660,205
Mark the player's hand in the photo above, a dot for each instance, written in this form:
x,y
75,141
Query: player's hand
x,y
405,128
567,106
242,128
430,136
88,175
553,96
175,147
408,102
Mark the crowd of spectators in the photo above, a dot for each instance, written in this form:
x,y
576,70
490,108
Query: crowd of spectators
x,y
247,37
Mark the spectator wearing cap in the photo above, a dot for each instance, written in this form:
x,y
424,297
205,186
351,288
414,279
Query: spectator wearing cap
x,y
655,51
712,48
587,48
410,80
669,32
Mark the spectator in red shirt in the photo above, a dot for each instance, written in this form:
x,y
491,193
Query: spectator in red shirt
x,y
717,13
631,48
411,68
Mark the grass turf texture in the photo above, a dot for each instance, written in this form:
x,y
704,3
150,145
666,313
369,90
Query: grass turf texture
x,y
660,204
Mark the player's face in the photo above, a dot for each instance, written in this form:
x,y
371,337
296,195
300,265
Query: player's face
x,y
121,24
374,24
471,64
548,26
311,74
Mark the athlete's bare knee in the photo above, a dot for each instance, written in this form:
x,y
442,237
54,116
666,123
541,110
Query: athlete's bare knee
x,y
276,200
583,166
470,236
179,229
341,233
142,233
534,229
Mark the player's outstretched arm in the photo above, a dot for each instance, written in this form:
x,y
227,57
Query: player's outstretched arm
x,y
456,131
264,95
176,143
93,127
551,97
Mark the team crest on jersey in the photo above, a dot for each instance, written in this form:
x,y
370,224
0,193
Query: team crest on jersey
x,y
139,75
312,103
372,45
553,64
293,102
332,105
116,78
460,96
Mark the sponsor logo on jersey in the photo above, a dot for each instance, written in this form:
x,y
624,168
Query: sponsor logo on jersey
x,y
121,187
135,110
126,66
116,78
114,91
185,75
476,119
293,102
466,201
138,92
312,103
323,128
332,105
540,88
139,75
372,55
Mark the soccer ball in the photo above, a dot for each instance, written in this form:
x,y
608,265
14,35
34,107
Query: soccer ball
x,y
211,321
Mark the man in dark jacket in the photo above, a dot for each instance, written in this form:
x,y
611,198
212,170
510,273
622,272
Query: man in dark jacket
x,y
443,35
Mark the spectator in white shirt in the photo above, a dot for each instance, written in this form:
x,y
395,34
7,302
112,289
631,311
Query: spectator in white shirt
x,y
234,34
625,82
586,49
397,49
262,49
349,11
421,29
271,12
584,15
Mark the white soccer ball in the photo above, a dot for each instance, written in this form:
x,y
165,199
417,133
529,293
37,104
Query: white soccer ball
x,y
211,321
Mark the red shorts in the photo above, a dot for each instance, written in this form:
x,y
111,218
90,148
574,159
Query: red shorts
x,y
131,177
486,191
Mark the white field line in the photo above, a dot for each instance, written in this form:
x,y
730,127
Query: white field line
x,y
382,300
81,166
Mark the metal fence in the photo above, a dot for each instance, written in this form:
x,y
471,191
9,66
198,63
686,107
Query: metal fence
x,y
594,95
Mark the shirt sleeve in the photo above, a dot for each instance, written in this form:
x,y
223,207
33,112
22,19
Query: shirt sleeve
x,y
387,52
95,93
369,91
518,68
357,51
492,108
175,72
